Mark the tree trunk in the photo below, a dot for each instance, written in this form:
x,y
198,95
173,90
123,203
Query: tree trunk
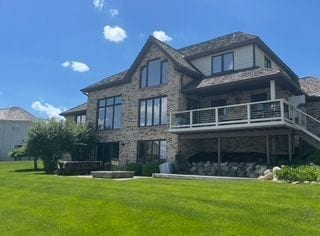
x,y
35,164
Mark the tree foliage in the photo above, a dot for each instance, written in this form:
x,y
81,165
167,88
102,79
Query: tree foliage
x,y
49,141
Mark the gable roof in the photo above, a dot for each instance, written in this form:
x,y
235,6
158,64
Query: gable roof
x,y
16,114
181,57
219,43
311,85
77,109
174,55
110,81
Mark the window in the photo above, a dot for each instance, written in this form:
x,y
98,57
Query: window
x,y
220,103
80,119
109,113
222,63
153,111
155,150
267,62
155,73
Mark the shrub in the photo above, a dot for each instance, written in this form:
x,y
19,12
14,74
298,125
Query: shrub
x,y
150,167
300,173
18,153
136,167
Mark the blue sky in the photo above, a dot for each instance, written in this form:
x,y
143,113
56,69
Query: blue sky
x,y
37,37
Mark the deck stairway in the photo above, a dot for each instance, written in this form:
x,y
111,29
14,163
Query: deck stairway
x,y
264,114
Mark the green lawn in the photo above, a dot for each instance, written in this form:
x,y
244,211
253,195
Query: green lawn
x,y
32,203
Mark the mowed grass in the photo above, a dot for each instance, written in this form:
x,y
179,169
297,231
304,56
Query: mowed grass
x,y
32,203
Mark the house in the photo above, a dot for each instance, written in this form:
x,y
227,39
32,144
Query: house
x,y
15,123
229,94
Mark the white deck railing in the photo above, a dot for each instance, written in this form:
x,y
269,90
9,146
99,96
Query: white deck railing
x,y
255,114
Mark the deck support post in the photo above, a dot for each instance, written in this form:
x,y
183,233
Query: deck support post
x,y
272,89
290,147
219,154
268,149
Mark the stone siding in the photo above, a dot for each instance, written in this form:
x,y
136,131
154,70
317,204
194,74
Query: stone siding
x,y
130,132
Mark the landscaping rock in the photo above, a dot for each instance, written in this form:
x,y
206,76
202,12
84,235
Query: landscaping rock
x,y
295,182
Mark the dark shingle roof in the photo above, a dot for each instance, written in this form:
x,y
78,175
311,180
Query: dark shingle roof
x,y
78,109
217,44
310,85
177,57
234,77
110,81
16,114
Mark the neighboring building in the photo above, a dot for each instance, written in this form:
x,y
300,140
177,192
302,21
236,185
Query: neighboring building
x,y
14,126
76,114
229,94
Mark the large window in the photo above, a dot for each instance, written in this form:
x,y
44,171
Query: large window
x,y
153,111
222,63
155,73
109,113
155,150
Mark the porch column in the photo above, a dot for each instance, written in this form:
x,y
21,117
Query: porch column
x,y
272,89
290,147
219,154
268,149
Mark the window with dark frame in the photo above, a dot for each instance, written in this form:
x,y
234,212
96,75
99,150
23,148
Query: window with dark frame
x,y
267,62
152,150
153,111
222,63
80,119
154,73
109,113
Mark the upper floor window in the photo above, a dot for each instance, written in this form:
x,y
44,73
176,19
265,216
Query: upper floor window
x,y
154,73
109,113
267,62
153,111
80,119
222,63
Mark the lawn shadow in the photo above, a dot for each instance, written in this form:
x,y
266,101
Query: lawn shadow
x,y
28,170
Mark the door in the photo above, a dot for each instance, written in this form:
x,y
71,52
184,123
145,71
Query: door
x,y
106,152
191,105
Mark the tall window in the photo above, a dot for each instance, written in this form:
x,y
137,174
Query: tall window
x,y
155,73
80,119
267,62
109,113
155,150
153,111
222,63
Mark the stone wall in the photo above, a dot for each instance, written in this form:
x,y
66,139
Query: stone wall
x,y
130,132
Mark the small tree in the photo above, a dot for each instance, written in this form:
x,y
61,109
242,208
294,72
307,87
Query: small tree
x,y
18,153
50,140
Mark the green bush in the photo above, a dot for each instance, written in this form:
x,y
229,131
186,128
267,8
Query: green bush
x,y
18,153
300,173
136,167
150,167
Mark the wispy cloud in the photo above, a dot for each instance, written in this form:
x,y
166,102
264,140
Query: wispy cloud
x,y
98,4
51,111
114,34
162,36
76,66
114,12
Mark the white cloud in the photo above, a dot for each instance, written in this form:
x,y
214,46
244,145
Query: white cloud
x,y
79,66
45,108
114,12
114,34
162,36
66,64
76,66
98,4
